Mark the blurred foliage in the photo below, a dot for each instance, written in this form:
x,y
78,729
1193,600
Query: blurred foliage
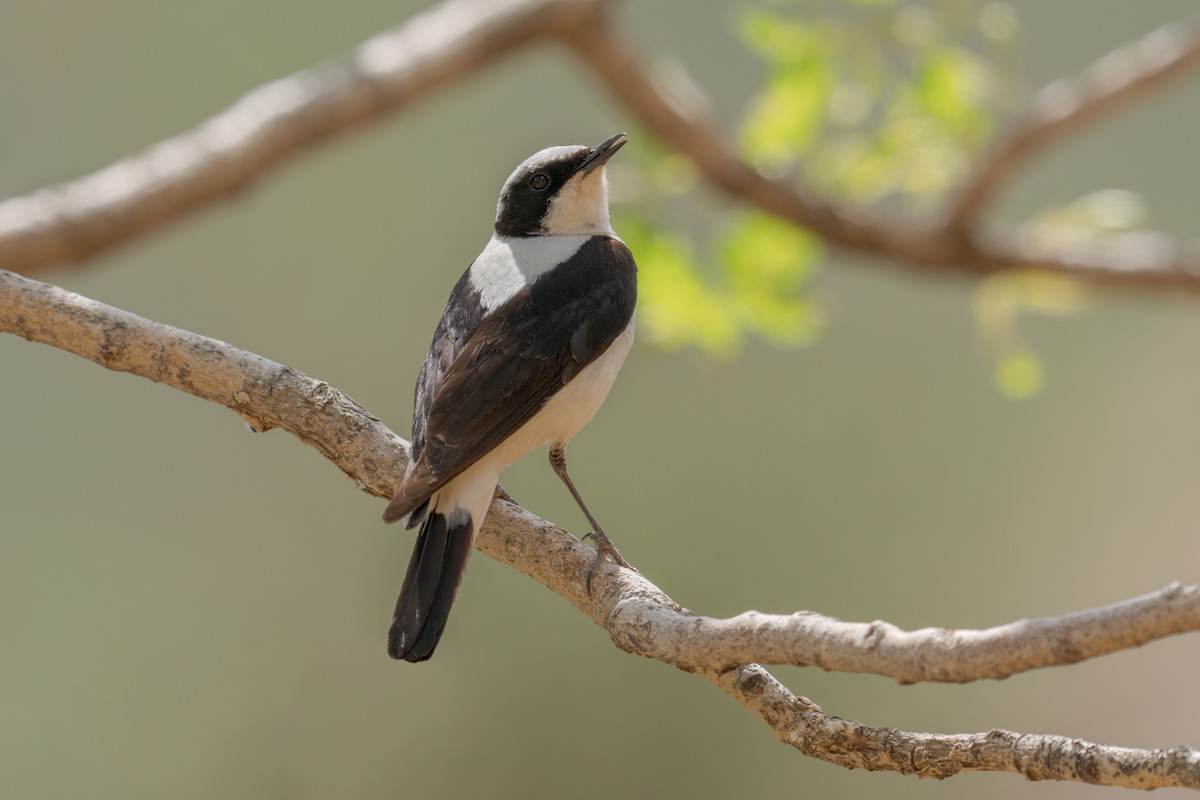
x,y
762,272
999,302
862,100
1110,219
875,102
871,100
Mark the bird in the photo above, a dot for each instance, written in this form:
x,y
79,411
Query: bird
x,y
529,345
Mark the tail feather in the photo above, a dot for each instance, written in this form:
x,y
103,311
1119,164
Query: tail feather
x,y
435,570
417,515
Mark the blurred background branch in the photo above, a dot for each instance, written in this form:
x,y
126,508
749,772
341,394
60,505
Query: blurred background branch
x,y
1066,105
265,129
455,40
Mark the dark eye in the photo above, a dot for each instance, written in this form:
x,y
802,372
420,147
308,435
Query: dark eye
x,y
540,181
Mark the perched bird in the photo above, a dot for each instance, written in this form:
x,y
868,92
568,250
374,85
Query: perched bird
x,y
529,345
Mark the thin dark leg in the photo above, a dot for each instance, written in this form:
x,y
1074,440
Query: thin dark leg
x,y
604,545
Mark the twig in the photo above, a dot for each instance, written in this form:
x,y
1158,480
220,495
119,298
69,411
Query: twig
x,y
1066,105
638,616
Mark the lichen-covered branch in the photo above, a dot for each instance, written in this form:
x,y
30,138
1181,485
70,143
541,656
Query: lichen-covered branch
x,y
452,41
639,617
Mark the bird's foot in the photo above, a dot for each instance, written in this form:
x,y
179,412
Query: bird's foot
x,y
604,547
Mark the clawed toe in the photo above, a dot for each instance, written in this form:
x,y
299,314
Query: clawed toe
x,y
604,547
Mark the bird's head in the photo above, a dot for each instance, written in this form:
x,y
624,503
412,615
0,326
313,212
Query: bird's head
x,y
559,191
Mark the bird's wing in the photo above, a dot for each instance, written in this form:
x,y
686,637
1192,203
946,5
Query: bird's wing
x,y
517,358
459,322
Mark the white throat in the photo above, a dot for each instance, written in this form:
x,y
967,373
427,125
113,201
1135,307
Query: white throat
x,y
580,207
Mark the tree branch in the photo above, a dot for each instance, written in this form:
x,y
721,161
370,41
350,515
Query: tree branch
x,y
639,617
265,394
802,724
901,242
266,128
283,118
1069,104
929,654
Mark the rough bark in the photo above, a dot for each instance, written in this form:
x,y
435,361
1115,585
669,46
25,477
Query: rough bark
x,y
640,618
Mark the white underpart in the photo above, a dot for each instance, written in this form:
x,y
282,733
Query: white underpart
x,y
563,416
506,266
580,207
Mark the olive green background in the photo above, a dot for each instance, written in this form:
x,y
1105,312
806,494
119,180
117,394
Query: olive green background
x,y
191,610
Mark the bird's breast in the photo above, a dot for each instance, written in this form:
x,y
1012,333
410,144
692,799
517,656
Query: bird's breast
x,y
507,265
573,406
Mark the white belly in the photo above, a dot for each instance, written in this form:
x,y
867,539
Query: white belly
x,y
563,416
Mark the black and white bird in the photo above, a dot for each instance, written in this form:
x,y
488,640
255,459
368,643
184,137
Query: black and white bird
x,y
529,345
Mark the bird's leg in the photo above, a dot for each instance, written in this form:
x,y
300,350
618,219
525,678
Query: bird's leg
x,y
604,545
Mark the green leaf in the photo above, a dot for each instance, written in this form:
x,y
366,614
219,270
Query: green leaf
x,y
766,252
951,87
787,116
759,289
767,264
1019,375
676,307
789,112
877,100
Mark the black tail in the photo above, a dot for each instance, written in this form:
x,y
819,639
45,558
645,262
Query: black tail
x,y
434,572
